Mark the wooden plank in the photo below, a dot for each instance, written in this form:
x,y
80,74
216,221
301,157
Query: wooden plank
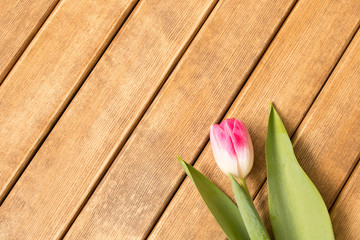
x,y
67,167
290,74
19,22
345,214
47,76
145,174
327,143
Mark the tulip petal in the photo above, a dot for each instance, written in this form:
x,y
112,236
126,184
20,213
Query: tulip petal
x,y
242,144
245,160
238,133
232,147
223,150
222,137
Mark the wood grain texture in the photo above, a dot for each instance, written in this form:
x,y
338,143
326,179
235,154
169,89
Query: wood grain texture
x,y
146,173
345,214
327,143
48,74
19,21
290,74
62,174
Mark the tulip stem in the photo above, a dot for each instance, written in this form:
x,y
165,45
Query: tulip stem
x,y
243,183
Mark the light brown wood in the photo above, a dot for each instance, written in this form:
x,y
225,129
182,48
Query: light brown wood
x,y
111,103
290,74
345,214
327,143
19,21
47,75
58,180
146,173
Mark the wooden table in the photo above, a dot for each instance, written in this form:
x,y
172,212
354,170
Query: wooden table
x,y
98,97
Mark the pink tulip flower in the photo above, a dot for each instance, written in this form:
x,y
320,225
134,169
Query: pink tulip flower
x,y
232,147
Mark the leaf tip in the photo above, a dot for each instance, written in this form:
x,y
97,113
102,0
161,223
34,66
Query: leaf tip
x,y
274,116
183,164
180,160
272,109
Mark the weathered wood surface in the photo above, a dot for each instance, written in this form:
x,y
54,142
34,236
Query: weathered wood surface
x,y
19,22
47,76
62,174
291,73
174,68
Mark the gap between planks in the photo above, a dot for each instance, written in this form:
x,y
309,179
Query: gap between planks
x,y
343,213
351,172
25,44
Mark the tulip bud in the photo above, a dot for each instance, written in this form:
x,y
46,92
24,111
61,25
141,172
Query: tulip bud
x,y
232,147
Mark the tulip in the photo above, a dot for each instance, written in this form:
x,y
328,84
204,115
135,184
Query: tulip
x,y
232,147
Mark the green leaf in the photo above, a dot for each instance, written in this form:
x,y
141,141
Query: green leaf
x,y
297,210
255,227
221,207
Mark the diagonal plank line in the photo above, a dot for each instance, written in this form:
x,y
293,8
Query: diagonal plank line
x,y
72,96
226,110
27,42
317,95
345,182
136,121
